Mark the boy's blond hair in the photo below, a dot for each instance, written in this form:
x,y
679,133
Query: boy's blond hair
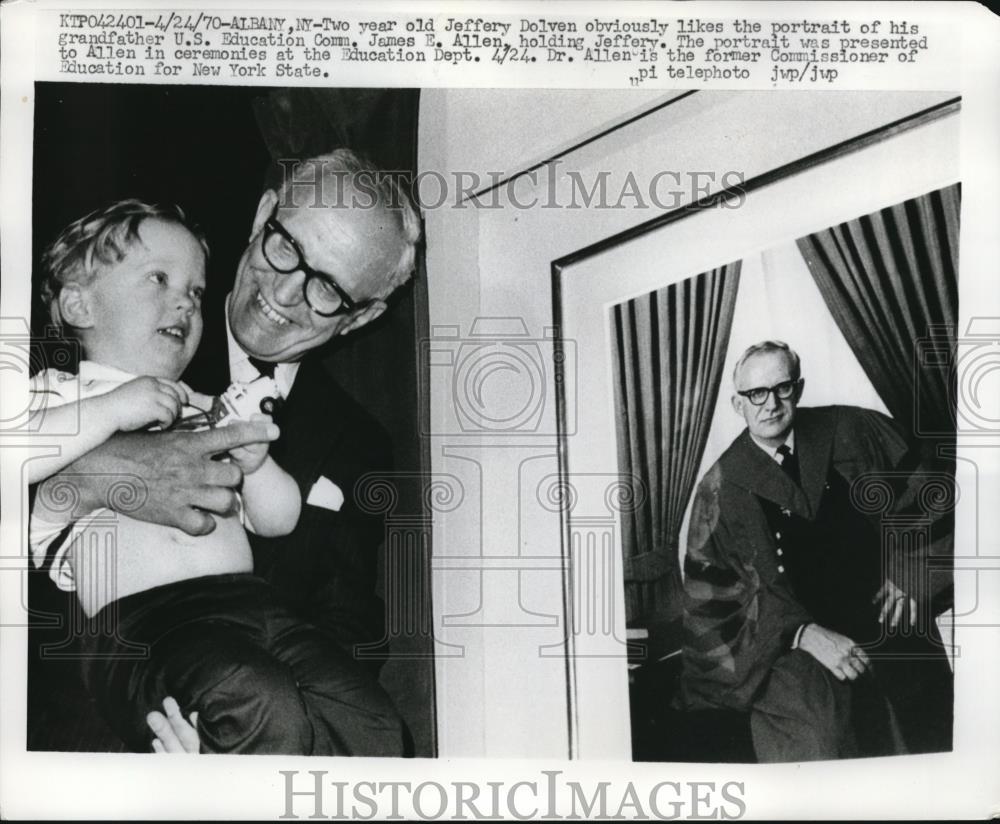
x,y
101,238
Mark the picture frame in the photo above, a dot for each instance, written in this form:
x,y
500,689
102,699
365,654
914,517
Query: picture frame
x,y
903,158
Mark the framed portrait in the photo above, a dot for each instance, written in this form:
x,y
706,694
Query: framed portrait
x,y
848,253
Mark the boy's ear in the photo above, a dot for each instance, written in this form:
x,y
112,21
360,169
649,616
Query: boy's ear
x,y
264,207
74,306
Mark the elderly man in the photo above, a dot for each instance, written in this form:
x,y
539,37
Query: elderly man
x,y
789,614
325,253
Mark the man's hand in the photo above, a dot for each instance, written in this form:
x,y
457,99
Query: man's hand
x,y
834,651
173,732
170,477
894,604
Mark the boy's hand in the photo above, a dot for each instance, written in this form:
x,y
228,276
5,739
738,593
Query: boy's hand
x,y
198,400
250,456
144,401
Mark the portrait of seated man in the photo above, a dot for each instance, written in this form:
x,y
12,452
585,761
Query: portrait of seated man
x,y
793,610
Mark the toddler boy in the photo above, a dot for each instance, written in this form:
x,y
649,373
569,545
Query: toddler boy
x,y
127,282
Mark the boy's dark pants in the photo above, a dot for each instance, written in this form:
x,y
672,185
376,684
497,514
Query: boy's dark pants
x,y
261,680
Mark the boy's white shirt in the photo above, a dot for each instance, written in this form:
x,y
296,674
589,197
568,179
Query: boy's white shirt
x,y
52,387
49,389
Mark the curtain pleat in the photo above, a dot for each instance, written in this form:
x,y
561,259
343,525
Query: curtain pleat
x,y
670,346
890,279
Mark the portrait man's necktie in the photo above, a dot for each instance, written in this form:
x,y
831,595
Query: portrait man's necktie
x,y
789,463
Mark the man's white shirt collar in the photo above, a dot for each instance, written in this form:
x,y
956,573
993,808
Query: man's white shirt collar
x,y
772,451
241,370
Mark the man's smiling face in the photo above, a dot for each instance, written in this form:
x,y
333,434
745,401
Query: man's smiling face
x,y
357,246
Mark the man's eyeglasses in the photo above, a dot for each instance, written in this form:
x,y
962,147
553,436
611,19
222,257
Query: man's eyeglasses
x,y
782,391
283,254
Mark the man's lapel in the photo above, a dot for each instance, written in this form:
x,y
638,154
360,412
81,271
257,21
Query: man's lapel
x,y
757,472
310,423
813,444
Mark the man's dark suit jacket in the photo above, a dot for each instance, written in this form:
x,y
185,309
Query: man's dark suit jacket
x,y
326,567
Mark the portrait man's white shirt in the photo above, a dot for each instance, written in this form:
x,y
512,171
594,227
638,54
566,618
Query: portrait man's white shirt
x,y
772,451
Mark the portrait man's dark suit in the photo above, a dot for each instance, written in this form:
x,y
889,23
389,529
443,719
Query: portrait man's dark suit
x,y
768,556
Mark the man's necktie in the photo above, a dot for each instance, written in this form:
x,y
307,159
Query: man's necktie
x,y
789,463
266,368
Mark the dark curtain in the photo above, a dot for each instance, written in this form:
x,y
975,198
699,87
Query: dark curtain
x,y
670,346
890,279
380,124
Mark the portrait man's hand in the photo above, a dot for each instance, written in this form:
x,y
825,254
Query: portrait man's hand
x,y
179,483
836,652
894,604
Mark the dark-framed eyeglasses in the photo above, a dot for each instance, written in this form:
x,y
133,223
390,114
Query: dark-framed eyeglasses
x,y
283,254
782,391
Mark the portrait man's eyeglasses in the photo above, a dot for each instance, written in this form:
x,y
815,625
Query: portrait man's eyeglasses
x,y
283,254
782,391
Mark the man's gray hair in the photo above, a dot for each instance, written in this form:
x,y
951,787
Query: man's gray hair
x,y
764,347
325,176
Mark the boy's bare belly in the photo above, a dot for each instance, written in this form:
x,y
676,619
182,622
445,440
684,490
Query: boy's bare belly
x,y
123,556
